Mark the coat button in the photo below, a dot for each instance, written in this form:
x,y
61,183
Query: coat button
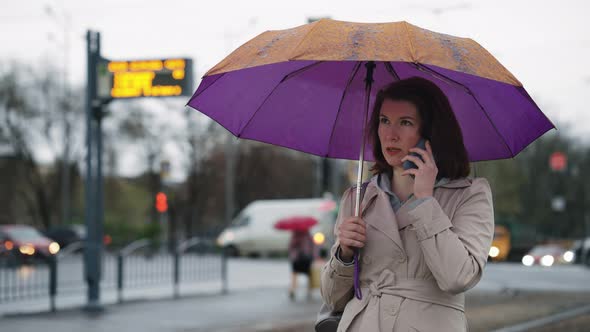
x,y
402,259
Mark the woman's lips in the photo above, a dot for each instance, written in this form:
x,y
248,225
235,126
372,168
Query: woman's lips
x,y
392,151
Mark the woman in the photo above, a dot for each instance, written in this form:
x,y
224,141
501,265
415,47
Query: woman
x,y
424,233
301,254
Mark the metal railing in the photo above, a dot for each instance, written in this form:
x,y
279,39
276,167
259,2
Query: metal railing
x,y
140,264
35,279
178,262
124,253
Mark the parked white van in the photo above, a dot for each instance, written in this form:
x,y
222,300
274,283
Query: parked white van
x,y
252,232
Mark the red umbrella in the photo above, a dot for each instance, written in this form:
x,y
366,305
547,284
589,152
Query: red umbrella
x,y
296,223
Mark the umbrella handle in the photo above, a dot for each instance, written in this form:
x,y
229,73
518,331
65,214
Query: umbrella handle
x,y
357,288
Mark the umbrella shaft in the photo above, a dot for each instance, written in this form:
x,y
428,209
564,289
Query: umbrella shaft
x,y
359,180
370,65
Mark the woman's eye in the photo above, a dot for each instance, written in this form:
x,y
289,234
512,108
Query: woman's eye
x,y
406,123
383,120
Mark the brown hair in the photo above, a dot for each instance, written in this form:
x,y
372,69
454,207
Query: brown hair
x,y
439,126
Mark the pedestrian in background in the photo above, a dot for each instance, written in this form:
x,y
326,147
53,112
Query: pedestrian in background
x,y
425,229
301,256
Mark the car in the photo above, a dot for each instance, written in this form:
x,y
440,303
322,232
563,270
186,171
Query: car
x,y
548,255
500,244
22,243
65,235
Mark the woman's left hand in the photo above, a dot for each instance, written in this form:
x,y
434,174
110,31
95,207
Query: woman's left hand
x,y
425,174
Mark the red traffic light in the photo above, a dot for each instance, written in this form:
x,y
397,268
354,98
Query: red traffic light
x,y
558,161
161,202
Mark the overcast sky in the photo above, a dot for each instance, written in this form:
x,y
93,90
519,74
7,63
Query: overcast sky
x,y
545,44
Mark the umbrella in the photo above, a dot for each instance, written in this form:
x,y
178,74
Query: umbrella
x,y
304,88
296,223
309,88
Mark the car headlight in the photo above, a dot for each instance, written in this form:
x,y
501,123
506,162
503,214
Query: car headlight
x,y
27,249
568,256
494,252
547,260
225,238
54,248
528,260
319,238
221,240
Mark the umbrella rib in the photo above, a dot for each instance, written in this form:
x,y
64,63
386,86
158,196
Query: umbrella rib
x,y
289,75
391,70
408,35
304,38
355,70
450,80
440,76
523,93
205,89
299,71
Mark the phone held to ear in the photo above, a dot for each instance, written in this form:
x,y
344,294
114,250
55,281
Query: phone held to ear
x,y
409,164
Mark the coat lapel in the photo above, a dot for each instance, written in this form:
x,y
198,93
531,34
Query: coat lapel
x,y
403,217
382,216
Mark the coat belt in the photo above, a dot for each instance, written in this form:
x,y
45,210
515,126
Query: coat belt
x,y
394,288
415,289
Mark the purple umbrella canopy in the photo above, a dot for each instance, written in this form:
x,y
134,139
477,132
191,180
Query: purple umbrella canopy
x,y
304,88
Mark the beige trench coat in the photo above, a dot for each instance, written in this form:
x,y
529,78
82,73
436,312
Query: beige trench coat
x,y
417,262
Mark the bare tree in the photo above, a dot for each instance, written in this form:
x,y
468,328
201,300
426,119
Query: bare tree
x,y
140,129
202,193
269,172
32,110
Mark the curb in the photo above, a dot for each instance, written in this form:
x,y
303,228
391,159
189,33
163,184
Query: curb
x,y
536,323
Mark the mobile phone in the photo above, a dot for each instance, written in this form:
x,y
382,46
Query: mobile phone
x,y
408,163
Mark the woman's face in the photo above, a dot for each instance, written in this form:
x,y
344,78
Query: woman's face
x,y
399,130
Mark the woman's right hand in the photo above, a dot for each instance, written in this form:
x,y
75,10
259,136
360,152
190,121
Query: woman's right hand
x,y
351,234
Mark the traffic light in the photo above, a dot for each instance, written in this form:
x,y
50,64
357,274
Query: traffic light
x,y
161,202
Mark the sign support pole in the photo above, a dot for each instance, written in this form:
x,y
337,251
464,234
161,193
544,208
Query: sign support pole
x,y
93,191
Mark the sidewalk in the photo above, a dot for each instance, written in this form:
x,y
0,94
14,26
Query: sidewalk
x,y
251,310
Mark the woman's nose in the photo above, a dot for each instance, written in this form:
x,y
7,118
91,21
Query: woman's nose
x,y
392,135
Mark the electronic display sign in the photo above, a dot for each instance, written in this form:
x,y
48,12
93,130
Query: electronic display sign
x,y
144,78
